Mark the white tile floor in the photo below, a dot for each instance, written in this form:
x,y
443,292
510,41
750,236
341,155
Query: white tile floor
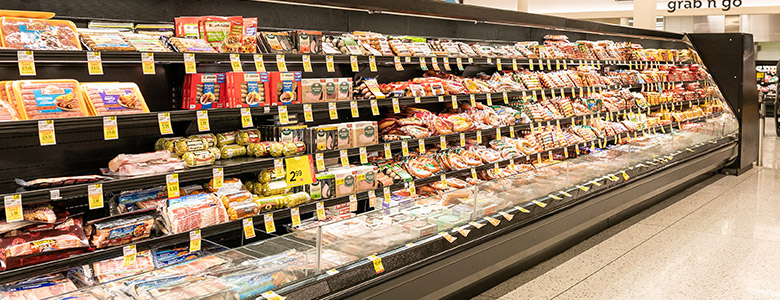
x,y
717,240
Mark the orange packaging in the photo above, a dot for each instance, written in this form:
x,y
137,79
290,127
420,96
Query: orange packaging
x,y
38,34
285,88
204,91
49,99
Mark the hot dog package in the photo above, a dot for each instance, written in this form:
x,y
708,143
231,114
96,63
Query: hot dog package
x,y
113,98
204,91
37,244
49,99
247,89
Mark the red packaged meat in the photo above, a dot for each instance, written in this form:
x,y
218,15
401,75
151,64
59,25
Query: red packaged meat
x,y
42,243
113,98
204,91
121,229
39,34
285,88
49,99
246,89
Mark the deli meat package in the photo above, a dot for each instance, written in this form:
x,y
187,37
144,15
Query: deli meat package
x,y
121,229
49,99
42,243
193,212
113,98
114,268
37,288
39,34
157,162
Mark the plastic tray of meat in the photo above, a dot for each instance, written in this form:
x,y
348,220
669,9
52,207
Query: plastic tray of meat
x,y
49,99
113,98
7,105
39,34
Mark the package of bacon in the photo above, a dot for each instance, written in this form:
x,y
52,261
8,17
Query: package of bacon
x,y
41,243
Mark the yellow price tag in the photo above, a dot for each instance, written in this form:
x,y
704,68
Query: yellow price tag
x,y
306,63
307,114
281,65
479,137
13,208
259,63
459,63
295,215
279,168
473,173
435,64
386,194
353,108
374,107
498,133
268,219
514,64
463,140
110,131
371,198
320,211
522,209
344,158
334,115
531,64
195,240
492,221
26,61
147,63
388,154
412,188
249,228
46,133
246,117
506,97
94,63
235,62
442,142
363,156
319,157
129,252
329,63
423,66
421,145
499,67
353,204
164,122
172,185
377,262
284,118
454,101
397,62
353,61
511,131
189,63
506,215
447,64
489,98
203,120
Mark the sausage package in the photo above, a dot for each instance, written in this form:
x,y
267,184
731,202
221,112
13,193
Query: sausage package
x,y
38,34
247,89
113,98
204,91
7,105
285,88
121,229
42,243
105,40
49,99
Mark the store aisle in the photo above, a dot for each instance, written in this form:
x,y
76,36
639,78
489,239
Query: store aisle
x,y
716,240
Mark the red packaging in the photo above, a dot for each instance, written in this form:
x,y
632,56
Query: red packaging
x,y
187,27
285,88
42,243
204,91
247,89
215,29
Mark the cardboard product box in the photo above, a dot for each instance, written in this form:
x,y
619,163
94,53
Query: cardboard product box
x,y
313,90
247,89
204,91
344,91
285,88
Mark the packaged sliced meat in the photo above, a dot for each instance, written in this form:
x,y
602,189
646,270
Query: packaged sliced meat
x,y
121,229
113,98
105,40
114,268
193,212
364,133
59,181
7,104
37,289
39,34
191,45
123,159
43,244
145,42
49,99
43,213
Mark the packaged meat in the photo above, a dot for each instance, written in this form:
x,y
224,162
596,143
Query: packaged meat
x,y
247,89
49,99
312,90
277,42
285,88
322,138
124,159
230,151
121,229
59,181
145,42
364,134
323,188
7,104
191,45
226,138
294,133
247,136
187,27
345,181
204,91
345,135
198,158
43,244
194,211
105,40
308,42
191,144
113,269
37,289
240,210
210,138
344,90
113,98
38,34
42,213
365,178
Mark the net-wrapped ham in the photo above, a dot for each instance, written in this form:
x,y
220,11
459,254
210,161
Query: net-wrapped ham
x,y
113,98
39,34
49,99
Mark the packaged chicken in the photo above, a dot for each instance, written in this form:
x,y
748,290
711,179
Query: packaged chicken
x,y
39,34
49,99
113,98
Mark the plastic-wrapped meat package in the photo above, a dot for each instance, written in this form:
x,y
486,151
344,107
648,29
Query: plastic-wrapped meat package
x,y
39,34
113,98
37,288
42,244
7,105
49,99
178,287
193,212
121,229
145,163
113,269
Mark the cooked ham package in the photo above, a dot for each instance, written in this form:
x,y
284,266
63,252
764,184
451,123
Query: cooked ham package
x,y
42,243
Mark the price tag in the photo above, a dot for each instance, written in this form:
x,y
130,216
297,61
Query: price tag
x,y
479,137
353,204
320,211
164,122
454,101
147,63
463,231
329,63
218,176
423,66
447,236
489,98
473,173
541,65
443,180
249,228
463,140
549,67
565,194
404,148
377,262
195,240
412,188
522,209
353,62
259,64
299,170
421,145
271,295
541,204
281,65
417,100
531,64
514,64
344,158
442,142
279,168
13,208
246,117
334,114
498,64
583,188
386,194
506,97
506,215
459,63
441,98
625,176
189,63
374,107
492,221
408,59
435,64
552,93
26,62
498,133
396,107
397,62
129,252
172,185
566,152
353,108
476,225
320,161
46,133
94,63
489,60
447,64
472,99
54,195
235,62
371,198
363,156
110,128
388,154
306,63
268,220
596,183
511,131
203,120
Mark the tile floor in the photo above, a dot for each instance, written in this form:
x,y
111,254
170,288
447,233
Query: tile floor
x,y
719,239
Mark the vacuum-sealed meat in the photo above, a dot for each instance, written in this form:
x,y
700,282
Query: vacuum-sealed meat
x,y
49,99
113,98
39,34
42,244
59,181
124,159
114,268
37,289
121,229
193,212
105,40
7,104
